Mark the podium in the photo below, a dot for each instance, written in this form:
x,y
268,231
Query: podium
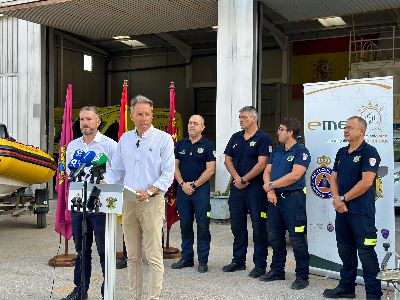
x,y
110,202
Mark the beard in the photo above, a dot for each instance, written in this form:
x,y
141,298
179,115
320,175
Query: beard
x,y
88,131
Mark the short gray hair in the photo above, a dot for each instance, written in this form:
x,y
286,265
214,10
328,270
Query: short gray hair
x,y
249,109
90,108
360,120
140,99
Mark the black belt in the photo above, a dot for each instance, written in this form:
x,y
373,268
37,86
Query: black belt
x,y
288,193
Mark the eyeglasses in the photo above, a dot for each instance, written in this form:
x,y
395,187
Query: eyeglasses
x,y
280,129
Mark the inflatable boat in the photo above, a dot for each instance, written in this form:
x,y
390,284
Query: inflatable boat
x,y
22,165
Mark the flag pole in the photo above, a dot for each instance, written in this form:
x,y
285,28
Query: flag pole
x,y
170,203
63,219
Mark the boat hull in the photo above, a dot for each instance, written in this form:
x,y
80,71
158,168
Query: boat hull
x,y
24,164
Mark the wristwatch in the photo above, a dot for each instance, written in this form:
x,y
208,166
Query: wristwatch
x,y
343,198
193,186
150,193
271,185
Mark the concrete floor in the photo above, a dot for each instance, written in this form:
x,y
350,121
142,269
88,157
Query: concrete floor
x,y
25,274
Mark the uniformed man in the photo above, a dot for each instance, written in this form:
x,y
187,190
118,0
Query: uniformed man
x,y
284,181
353,190
194,166
246,156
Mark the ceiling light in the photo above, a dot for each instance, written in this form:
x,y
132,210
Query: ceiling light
x,y
332,21
122,37
133,43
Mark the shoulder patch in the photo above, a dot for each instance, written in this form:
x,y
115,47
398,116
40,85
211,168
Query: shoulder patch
x,y
215,153
372,161
305,156
270,149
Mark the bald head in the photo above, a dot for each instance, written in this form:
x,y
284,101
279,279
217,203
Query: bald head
x,y
195,126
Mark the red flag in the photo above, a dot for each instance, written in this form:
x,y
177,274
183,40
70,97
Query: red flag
x,y
123,117
172,214
63,216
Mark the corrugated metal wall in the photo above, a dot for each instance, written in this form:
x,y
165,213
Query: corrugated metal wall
x,y
22,107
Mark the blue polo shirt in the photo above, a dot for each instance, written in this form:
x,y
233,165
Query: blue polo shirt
x,y
193,157
349,169
282,162
245,153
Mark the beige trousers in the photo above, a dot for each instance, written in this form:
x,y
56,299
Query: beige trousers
x,y
143,222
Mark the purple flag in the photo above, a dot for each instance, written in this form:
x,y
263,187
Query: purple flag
x,y
63,216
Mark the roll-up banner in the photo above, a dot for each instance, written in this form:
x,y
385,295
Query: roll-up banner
x,y
327,106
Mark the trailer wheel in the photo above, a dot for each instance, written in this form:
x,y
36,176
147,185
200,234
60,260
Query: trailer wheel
x,y
42,203
41,220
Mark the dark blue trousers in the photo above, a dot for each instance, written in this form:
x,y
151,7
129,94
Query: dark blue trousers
x,y
253,200
96,224
357,233
198,205
289,214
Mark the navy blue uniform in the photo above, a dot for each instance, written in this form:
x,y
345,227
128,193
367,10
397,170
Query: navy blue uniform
x,y
355,230
251,199
192,163
290,211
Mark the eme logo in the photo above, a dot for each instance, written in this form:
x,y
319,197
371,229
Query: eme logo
x,y
326,125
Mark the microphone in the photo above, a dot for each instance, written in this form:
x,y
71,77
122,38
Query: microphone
x,y
99,159
73,165
79,154
85,162
99,167
137,143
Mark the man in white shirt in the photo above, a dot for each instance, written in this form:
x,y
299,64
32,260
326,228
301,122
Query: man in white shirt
x,y
145,161
92,140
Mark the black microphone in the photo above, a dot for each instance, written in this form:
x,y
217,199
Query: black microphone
x,y
137,143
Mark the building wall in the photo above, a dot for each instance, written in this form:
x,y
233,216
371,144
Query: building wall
x,y
22,104
89,88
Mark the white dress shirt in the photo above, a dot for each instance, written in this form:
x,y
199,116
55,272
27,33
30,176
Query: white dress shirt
x,y
144,161
100,144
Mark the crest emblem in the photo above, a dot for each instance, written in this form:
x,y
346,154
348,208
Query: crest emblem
x,y
290,158
320,178
372,113
215,153
270,149
305,156
330,227
372,161
200,150
356,158
111,203
252,143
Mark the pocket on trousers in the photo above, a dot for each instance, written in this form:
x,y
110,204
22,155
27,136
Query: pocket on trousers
x,y
370,238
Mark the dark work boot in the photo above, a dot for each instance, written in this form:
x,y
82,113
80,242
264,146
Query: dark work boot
x,y
180,264
299,284
232,267
202,268
339,292
75,295
256,272
272,276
